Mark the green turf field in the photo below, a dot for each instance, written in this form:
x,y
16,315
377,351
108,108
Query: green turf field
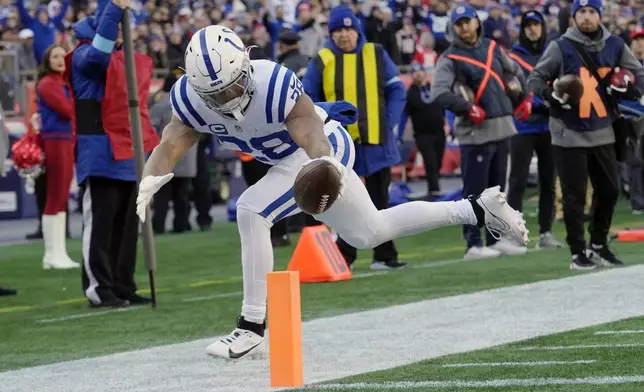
x,y
548,357
199,295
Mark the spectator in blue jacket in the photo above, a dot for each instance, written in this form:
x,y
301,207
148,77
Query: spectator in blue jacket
x,y
375,132
534,134
43,28
104,157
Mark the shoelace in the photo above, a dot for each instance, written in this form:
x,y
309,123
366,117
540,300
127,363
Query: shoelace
x,y
232,338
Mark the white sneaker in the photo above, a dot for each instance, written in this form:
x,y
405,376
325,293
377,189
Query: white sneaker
x,y
481,252
508,248
241,343
502,220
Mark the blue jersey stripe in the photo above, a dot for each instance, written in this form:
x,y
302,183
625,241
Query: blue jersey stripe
x,y
177,109
288,195
183,85
271,93
334,142
283,94
206,55
347,148
346,154
284,213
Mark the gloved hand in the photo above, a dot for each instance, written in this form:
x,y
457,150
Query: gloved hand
x,y
339,166
147,188
476,114
556,100
523,111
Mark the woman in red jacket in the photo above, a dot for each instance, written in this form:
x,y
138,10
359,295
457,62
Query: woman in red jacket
x,y
56,112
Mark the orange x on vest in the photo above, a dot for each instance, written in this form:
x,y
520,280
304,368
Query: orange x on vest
x,y
521,62
487,67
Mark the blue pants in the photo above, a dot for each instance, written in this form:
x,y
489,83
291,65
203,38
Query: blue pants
x,y
482,166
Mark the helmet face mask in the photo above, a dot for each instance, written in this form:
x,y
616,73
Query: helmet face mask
x,y
219,71
232,99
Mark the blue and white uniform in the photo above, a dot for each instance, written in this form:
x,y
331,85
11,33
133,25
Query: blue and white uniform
x,y
263,134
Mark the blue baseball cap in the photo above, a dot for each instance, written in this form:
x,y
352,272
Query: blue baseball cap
x,y
416,67
533,15
463,11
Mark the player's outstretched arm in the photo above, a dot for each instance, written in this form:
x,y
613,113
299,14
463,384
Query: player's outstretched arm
x,y
176,139
307,129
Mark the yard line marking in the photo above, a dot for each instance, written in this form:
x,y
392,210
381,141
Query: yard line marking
x,y
526,363
625,332
12,309
481,384
580,346
214,296
85,315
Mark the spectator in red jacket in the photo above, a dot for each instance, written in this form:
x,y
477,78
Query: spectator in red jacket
x,y
56,112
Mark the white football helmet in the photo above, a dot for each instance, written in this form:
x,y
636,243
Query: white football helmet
x,y
218,69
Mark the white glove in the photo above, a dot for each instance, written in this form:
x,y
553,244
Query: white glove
x,y
562,100
339,166
147,188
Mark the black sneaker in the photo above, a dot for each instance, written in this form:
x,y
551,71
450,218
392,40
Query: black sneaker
x,y
387,265
581,262
37,235
135,299
602,256
7,292
111,303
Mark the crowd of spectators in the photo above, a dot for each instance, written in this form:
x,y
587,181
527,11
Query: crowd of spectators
x,y
410,30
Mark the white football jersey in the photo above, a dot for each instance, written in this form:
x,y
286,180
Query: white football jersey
x,y
262,132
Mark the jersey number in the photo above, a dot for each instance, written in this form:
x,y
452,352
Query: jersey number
x,y
274,147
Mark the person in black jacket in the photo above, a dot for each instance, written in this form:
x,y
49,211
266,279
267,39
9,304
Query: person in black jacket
x,y
428,122
377,31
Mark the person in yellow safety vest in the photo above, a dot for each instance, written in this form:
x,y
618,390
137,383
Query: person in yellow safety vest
x,y
360,72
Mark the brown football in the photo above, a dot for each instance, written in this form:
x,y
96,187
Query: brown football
x,y
572,86
316,187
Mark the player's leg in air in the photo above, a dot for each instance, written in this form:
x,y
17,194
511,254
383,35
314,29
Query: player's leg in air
x,y
353,216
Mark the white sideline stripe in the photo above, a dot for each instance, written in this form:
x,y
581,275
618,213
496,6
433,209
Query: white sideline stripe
x,y
580,346
528,363
336,347
620,332
84,315
214,296
529,382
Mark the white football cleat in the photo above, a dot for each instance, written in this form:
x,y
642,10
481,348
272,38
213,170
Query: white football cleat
x,y
508,248
502,220
241,343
